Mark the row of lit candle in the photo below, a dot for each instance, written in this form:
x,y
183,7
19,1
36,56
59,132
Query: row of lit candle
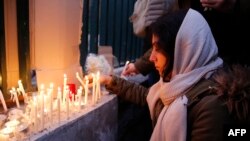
x,y
43,103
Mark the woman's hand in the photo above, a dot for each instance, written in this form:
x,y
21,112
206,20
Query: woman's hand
x,y
130,70
104,79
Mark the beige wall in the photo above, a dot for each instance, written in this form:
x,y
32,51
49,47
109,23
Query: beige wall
x,y
11,42
55,27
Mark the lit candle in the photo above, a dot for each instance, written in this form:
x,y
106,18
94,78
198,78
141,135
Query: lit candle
x,y
7,130
12,123
59,96
93,88
124,69
64,87
42,105
59,93
20,85
35,114
51,102
67,103
86,90
98,90
14,93
79,78
3,101
58,109
79,94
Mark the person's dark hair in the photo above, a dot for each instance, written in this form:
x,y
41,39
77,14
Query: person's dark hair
x,y
166,28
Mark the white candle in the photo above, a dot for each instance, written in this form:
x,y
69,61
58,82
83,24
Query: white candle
x,y
67,103
7,130
58,109
20,85
64,87
125,67
59,94
35,114
13,91
86,89
42,106
79,93
3,101
96,88
51,102
93,88
79,78
98,91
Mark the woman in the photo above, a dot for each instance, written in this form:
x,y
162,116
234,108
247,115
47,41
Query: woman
x,y
182,106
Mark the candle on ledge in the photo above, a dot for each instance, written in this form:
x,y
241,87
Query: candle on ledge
x,y
20,85
98,89
51,98
59,97
3,102
59,93
67,103
86,85
14,95
51,86
35,114
79,78
64,87
58,109
79,94
93,88
42,105
7,130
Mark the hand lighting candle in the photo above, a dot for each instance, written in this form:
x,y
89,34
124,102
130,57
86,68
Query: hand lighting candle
x,y
124,69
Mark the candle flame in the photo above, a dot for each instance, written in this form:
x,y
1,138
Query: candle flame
x,y
42,86
51,85
127,62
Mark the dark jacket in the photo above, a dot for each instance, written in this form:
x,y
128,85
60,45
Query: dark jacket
x,y
208,109
228,28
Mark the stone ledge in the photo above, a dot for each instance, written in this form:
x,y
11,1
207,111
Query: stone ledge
x,y
97,122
